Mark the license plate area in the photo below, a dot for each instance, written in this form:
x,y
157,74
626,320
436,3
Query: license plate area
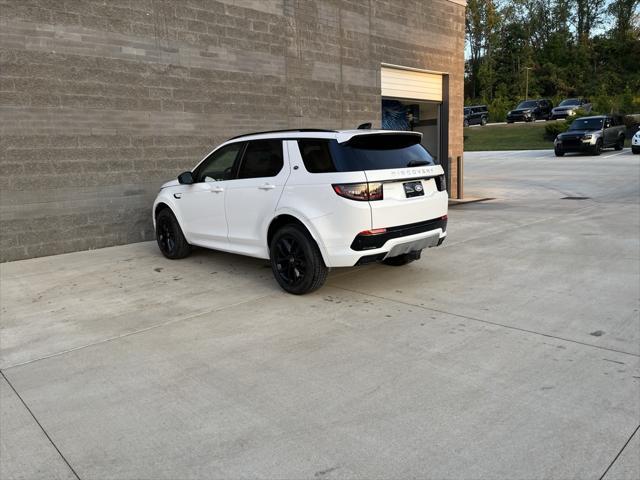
x,y
413,189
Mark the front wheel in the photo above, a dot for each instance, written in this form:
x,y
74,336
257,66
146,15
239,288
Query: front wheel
x,y
296,261
169,236
465,123
558,152
483,121
597,150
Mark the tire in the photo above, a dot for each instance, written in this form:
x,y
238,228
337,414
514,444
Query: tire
x,y
483,121
296,261
169,236
635,150
620,143
558,152
403,259
597,150
509,121
465,123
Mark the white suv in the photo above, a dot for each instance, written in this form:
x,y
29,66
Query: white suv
x,y
308,200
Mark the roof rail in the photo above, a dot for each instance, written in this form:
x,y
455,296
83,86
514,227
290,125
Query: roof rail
x,y
284,131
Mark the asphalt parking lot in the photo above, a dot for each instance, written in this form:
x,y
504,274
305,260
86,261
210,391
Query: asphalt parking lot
x,y
511,352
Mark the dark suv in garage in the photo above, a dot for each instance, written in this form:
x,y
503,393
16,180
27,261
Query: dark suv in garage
x,y
530,111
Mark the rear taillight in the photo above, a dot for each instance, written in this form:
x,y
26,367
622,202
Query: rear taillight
x,y
375,231
441,183
363,192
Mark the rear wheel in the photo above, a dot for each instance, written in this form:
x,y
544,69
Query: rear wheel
x,y
402,259
296,261
620,143
169,236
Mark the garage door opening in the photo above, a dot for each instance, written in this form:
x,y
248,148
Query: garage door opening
x,y
417,100
423,117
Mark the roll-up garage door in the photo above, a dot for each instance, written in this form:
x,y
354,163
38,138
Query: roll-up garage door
x,y
399,83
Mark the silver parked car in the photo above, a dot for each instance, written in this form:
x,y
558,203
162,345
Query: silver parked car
x,y
569,106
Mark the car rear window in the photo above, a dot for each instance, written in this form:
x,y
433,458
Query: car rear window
x,y
363,152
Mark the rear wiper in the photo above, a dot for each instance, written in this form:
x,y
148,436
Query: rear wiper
x,y
417,163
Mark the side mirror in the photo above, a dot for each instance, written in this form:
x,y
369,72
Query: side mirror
x,y
186,178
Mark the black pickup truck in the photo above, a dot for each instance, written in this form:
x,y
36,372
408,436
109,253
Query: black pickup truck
x,y
591,134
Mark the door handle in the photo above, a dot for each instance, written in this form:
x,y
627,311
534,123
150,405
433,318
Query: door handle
x,y
217,190
267,186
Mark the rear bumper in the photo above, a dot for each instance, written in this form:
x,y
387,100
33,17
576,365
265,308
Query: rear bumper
x,y
371,242
398,240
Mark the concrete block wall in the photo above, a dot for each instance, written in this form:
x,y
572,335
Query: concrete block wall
x,y
102,101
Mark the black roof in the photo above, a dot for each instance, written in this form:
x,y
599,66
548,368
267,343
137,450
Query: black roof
x,y
285,131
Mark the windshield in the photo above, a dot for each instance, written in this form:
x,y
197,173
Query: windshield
x,y
586,124
569,102
363,152
529,104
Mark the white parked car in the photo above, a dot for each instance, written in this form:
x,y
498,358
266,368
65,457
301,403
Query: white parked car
x,y
635,142
308,200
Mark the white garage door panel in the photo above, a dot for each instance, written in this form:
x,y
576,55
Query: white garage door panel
x,y
410,84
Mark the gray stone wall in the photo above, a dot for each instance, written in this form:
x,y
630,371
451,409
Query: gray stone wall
x,y
102,101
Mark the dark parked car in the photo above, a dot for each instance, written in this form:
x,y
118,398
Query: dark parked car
x,y
476,115
591,134
530,111
569,106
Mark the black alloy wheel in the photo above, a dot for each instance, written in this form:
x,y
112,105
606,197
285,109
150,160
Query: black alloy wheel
x,y
169,236
290,260
296,261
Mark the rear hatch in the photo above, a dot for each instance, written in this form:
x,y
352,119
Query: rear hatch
x,y
413,185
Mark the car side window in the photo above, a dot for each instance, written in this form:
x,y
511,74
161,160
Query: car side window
x,y
607,123
219,165
316,155
262,158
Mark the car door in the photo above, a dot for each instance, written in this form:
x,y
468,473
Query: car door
x,y
475,118
201,205
253,196
609,133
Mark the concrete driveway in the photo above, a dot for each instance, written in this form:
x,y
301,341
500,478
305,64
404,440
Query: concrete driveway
x,y
512,352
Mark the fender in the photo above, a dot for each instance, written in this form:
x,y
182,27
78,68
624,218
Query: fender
x,y
308,225
167,199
